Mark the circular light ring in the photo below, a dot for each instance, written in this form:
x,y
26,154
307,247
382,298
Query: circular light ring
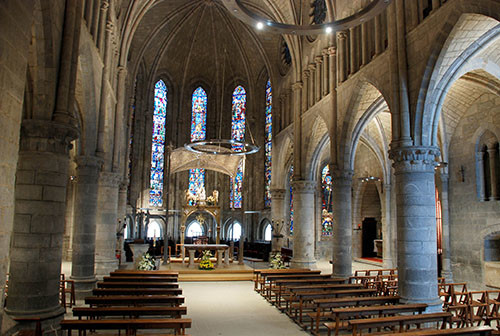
x,y
222,147
246,15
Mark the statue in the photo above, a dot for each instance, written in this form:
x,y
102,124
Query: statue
x,y
189,196
201,193
215,195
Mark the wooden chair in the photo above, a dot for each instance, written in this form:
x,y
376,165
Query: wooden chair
x,y
67,287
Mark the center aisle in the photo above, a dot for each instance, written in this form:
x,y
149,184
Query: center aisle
x,y
233,308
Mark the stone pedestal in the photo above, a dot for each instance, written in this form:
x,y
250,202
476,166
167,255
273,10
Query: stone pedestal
x,y
138,250
303,224
342,226
278,218
84,228
107,221
40,201
416,219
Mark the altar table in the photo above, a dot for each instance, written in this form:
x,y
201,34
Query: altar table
x,y
219,248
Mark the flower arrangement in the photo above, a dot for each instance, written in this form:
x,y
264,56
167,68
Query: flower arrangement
x,y
276,261
147,263
205,263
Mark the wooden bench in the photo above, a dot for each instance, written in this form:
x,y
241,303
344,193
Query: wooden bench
x,y
126,284
134,300
401,321
478,331
340,315
266,273
303,298
136,291
258,274
130,312
139,279
271,279
379,271
129,325
274,282
285,288
144,273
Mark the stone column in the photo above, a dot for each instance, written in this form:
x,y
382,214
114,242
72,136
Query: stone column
x,y
326,69
84,228
353,67
387,236
342,227
278,218
416,223
493,153
378,35
332,62
446,271
365,49
305,90
319,82
40,201
107,220
303,224
312,85
342,56
480,182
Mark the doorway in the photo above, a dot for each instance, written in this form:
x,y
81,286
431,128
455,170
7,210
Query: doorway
x,y
369,235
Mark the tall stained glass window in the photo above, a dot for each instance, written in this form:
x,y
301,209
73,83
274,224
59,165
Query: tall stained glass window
x,y
268,144
238,133
327,207
290,178
158,145
198,132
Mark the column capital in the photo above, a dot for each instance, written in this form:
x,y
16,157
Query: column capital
x,y
324,52
342,176
105,5
304,186
342,35
89,161
311,67
297,86
305,74
332,51
414,158
318,59
277,194
47,136
122,70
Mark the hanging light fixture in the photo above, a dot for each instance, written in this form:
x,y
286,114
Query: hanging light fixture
x,y
243,13
220,146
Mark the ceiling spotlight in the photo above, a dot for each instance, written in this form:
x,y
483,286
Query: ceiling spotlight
x,y
260,25
328,30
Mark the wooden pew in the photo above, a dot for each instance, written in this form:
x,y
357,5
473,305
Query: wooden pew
x,y
478,331
133,284
401,322
134,300
290,288
258,274
279,286
129,325
129,312
136,291
139,279
378,271
136,273
305,297
271,280
340,315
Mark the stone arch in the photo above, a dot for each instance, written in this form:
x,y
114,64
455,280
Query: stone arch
x,y
459,39
262,227
282,152
315,144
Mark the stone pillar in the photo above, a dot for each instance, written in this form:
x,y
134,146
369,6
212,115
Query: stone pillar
x,y
388,253
446,271
416,223
342,227
303,224
378,35
84,228
326,69
480,181
305,90
40,201
278,218
493,153
365,47
319,82
107,219
353,67
332,62
102,24
312,85
342,56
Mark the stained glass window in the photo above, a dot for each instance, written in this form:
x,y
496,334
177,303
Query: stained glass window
x,y
234,232
238,133
290,177
198,132
327,207
268,144
158,145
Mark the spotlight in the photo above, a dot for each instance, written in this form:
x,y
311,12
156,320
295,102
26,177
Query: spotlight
x,y
260,25
328,30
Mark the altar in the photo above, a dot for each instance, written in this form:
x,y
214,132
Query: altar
x,y
218,248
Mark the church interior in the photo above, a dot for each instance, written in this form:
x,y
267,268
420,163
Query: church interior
x,y
343,135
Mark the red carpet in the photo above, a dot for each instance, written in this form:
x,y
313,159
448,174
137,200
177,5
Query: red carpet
x,y
374,259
